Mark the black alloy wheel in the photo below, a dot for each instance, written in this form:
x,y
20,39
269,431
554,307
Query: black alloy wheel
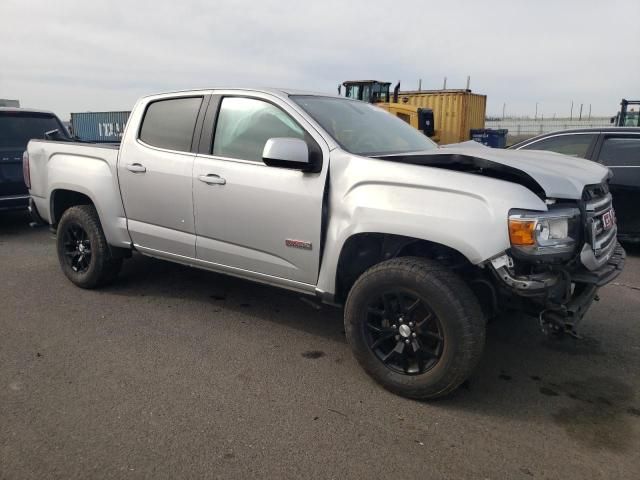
x,y
414,326
77,248
403,332
83,252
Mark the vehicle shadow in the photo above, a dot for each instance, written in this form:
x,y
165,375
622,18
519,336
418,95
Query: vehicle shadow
x,y
632,249
148,277
523,375
14,222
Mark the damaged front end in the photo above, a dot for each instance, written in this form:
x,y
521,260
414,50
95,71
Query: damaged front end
x,y
559,259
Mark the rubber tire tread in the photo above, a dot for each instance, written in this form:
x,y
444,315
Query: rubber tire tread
x,y
453,302
103,268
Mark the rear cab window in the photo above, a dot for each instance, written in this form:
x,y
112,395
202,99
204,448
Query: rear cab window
x,y
17,128
575,145
170,123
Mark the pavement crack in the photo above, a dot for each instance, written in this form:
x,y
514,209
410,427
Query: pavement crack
x,y
336,411
626,285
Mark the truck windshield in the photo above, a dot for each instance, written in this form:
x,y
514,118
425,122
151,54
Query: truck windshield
x,y
363,129
17,128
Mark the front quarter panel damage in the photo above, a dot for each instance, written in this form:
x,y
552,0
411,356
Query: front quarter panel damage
x,y
463,211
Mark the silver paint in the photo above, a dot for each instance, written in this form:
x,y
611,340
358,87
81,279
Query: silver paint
x,y
233,216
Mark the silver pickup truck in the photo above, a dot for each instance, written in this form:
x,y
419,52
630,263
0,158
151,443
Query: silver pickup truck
x,y
338,199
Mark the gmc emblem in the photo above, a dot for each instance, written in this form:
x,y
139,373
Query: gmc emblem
x,y
298,244
608,219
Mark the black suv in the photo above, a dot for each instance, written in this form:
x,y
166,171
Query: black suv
x,y
17,127
616,147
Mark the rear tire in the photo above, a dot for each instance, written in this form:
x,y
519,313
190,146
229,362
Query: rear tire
x,y
415,327
83,251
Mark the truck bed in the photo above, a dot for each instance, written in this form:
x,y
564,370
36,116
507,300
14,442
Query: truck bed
x,y
44,151
60,165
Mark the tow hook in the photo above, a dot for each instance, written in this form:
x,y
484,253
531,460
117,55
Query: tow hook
x,y
554,324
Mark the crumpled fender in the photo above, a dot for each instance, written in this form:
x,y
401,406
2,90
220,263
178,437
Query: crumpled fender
x,y
460,210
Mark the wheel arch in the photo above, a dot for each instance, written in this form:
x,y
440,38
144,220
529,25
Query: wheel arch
x,y
62,199
363,250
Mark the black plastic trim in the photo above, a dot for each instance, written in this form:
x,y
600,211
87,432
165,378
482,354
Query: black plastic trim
x,y
208,126
197,133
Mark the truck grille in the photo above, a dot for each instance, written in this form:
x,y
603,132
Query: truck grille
x,y
600,225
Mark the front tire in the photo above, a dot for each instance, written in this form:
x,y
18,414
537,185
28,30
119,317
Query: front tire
x,y
415,327
83,251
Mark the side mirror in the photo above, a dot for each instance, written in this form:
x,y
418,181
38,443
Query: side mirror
x,y
286,153
53,135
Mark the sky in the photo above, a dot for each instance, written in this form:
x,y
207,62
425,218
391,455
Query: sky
x,y
74,56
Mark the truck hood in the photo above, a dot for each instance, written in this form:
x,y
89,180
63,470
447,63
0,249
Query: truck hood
x,y
548,174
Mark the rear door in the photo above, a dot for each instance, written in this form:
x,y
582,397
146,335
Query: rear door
x,y
155,174
621,153
260,221
16,129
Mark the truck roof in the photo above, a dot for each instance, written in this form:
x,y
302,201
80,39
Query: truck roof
x,y
280,92
25,110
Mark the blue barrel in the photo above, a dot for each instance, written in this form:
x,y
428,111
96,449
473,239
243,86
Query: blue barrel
x,y
491,137
106,127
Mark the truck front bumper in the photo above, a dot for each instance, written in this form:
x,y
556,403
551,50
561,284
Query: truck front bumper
x,y
561,297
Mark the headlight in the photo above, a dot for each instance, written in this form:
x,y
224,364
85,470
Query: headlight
x,y
544,233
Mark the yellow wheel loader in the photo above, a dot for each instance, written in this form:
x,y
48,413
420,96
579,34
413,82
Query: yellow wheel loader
x,y
377,93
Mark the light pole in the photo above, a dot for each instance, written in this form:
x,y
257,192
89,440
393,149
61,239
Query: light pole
x,y
571,114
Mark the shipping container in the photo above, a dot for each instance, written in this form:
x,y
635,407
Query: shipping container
x,y
455,112
105,127
5,102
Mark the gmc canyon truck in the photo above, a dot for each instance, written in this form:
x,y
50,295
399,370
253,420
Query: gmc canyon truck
x,y
337,198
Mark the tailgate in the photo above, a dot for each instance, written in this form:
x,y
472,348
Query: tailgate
x,y
11,180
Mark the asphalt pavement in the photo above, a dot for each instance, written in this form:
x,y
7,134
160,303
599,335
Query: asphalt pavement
x,y
175,373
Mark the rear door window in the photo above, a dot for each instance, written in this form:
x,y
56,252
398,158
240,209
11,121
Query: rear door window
x,y
576,145
170,123
620,152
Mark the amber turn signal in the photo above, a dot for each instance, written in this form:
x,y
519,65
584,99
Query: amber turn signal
x,y
522,232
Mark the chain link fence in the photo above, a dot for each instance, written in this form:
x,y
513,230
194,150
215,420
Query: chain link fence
x,y
524,128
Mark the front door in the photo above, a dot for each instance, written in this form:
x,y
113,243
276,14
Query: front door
x,y
155,173
251,217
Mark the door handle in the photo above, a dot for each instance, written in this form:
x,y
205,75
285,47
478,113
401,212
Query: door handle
x,y
136,168
212,179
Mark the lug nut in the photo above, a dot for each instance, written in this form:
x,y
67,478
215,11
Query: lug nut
x,y
411,324
394,326
397,337
413,334
407,341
